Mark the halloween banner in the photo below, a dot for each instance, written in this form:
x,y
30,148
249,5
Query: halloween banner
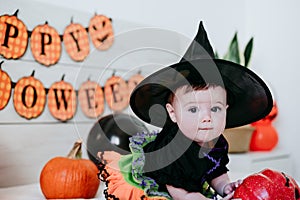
x,y
30,97
46,43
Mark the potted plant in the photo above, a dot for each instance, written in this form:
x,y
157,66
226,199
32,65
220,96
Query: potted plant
x,y
239,138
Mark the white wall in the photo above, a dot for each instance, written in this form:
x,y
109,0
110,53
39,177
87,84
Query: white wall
x,y
220,17
275,26
272,24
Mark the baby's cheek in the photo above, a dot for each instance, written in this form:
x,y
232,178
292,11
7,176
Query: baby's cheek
x,y
220,122
191,128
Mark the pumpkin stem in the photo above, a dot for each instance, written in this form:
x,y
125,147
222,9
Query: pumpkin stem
x,y
76,152
32,74
1,63
16,13
63,77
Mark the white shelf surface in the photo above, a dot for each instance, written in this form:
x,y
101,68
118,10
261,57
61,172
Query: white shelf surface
x,y
252,162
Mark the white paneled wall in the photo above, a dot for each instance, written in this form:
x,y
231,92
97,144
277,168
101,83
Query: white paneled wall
x,y
24,148
26,145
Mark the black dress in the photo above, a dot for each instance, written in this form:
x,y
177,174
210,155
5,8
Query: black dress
x,y
181,162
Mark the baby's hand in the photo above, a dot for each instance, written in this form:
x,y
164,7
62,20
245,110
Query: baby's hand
x,y
229,196
230,187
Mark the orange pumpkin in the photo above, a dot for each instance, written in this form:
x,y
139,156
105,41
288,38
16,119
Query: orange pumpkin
x,y
69,177
13,36
133,81
45,44
62,100
76,41
91,99
265,136
116,93
5,88
101,32
29,97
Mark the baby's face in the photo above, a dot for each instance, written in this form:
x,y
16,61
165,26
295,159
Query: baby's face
x,y
200,114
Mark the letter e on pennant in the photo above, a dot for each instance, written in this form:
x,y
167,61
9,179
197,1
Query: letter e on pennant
x,y
91,99
116,93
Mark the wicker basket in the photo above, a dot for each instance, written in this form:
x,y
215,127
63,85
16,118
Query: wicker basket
x,y
239,138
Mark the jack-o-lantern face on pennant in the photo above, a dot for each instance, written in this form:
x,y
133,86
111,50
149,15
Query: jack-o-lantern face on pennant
x,y
62,100
91,99
29,97
5,88
133,82
45,44
13,37
116,93
101,32
76,41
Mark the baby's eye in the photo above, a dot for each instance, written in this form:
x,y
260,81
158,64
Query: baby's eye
x,y
215,109
193,109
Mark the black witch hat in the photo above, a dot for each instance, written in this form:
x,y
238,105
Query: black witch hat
x,y
248,97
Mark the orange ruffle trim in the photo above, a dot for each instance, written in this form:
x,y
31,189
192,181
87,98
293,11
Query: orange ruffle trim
x,y
117,187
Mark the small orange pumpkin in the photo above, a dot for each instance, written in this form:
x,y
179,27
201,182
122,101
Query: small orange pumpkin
x,y
62,100
101,32
13,36
76,41
45,44
5,88
116,93
69,177
91,99
29,97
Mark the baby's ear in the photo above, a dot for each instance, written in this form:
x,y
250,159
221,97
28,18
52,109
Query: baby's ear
x,y
171,112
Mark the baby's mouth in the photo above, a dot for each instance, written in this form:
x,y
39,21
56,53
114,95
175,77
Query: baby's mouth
x,y
205,128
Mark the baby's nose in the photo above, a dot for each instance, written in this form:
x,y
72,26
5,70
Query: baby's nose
x,y
206,116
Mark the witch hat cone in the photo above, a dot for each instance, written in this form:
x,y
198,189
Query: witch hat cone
x,y
200,48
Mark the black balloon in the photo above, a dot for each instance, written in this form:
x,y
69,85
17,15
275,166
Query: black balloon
x,y
112,133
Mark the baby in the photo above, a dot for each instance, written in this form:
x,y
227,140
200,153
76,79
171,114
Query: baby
x,y
193,101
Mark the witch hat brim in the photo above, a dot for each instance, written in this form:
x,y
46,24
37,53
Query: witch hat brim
x,y
248,96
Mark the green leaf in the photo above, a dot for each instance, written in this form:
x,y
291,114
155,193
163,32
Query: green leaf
x,y
216,55
248,51
233,53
